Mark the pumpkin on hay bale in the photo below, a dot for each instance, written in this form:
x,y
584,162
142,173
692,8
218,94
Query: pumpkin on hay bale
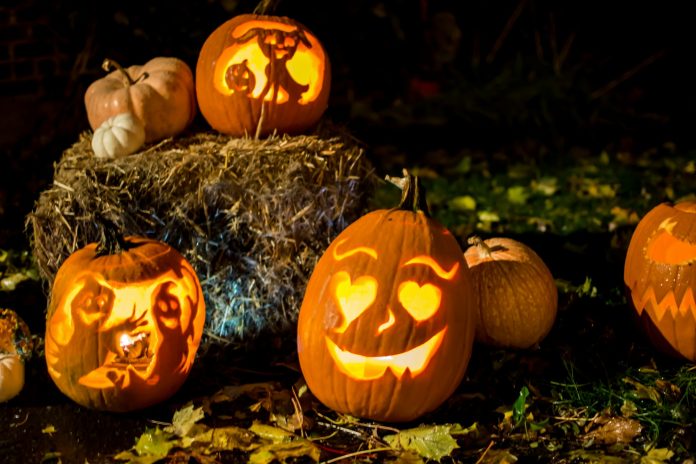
x,y
251,216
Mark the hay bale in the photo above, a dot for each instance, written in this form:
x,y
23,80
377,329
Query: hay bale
x,y
251,216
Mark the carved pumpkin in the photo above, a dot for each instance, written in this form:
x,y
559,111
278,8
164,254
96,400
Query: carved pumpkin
x,y
159,93
257,74
386,326
516,296
660,273
118,136
123,328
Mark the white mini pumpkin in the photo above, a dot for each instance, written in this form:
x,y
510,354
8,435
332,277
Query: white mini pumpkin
x,y
11,376
119,135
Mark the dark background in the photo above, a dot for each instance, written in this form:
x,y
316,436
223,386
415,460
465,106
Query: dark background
x,y
413,76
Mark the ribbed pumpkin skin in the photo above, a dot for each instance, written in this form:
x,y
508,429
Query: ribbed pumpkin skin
x,y
84,349
517,299
164,101
237,114
396,236
660,274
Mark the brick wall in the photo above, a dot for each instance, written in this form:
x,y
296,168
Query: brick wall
x,y
31,60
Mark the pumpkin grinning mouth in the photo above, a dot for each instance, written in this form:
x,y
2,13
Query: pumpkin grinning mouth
x,y
361,367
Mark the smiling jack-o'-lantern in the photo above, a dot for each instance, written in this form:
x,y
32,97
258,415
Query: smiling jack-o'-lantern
x,y
386,326
123,328
257,74
660,273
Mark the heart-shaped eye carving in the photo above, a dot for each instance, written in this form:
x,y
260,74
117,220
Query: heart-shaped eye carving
x,y
353,297
420,302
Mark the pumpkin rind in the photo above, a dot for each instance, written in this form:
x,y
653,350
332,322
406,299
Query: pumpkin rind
x,y
118,136
383,251
11,376
660,274
516,296
163,97
230,76
148,293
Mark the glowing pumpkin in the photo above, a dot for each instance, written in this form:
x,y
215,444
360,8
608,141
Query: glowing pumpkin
x,y
660,273
516,296
257,74
386,326
123,328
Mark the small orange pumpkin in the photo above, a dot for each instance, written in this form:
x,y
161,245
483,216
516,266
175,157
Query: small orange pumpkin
x,y
257,74
159,93
516,296
123,327
386,326
660,273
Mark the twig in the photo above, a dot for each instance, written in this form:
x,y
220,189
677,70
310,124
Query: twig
x,y
480,459
357,453
506,30
626,75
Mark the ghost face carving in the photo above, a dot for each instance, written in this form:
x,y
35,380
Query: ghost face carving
x,y
660,273
123,330
262,72
386,325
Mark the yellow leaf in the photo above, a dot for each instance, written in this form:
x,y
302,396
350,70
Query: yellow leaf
x,y
463,203
282,451
49,429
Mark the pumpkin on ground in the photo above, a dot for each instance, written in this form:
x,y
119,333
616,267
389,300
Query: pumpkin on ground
x,y
119,135
123,326
660,274
386,326
516,296
257,74
159,93
16,348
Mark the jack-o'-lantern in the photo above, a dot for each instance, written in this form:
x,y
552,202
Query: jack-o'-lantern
x,y
257,74
660,273
386,326
516,296
123,325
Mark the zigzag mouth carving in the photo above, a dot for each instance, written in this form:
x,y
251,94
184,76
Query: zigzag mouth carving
x,y
668,304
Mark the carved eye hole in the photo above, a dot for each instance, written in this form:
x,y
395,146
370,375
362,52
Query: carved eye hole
x,y
91,305
353,297
420,302
166,305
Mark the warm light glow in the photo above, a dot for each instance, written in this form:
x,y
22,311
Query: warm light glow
x,y
353,298
420,302
668,304
305,65
386,325
666,249
435,266
338,256
360,367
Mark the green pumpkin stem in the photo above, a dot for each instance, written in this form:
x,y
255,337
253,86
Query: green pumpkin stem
x,y
412,194
112,241
109,65
264,7
475,240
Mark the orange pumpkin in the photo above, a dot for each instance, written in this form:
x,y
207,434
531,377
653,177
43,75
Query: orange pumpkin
x,y
386,326
660,273
159,93
123,328
516,296
257,74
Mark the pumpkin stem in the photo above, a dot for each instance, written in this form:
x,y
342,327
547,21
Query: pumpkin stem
x,y
475,240
412,193
112,241
109,65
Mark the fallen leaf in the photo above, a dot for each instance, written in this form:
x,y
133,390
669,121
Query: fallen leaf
x,y
269,432
429,441
184,419
615,430
49,429
284,450
657,456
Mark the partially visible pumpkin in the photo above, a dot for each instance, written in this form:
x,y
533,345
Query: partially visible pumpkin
x,y
257,74
516,296
11,376
386,326
160,93
123,325
660,274
16,348
118,136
